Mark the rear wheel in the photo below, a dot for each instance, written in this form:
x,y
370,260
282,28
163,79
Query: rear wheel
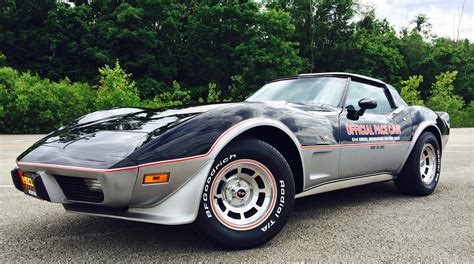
x,y
248,196
421,172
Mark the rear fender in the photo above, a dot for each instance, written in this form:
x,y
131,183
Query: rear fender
x,y
419,130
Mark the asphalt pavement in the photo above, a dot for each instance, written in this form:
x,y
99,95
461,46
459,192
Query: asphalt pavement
x,y
372,223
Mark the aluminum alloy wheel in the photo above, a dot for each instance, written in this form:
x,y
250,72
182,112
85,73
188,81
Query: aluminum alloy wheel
x,y
428,163
243,194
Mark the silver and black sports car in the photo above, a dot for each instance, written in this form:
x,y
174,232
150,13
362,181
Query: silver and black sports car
x,y
235,169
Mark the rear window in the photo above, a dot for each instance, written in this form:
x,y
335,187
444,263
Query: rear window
x,y
396,97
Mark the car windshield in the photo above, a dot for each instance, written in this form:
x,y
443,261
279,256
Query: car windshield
x,y
319,91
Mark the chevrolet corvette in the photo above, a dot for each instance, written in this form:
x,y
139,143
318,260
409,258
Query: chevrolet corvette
x,y
235,169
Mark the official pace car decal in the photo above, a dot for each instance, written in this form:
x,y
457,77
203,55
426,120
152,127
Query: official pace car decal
x,y
373,132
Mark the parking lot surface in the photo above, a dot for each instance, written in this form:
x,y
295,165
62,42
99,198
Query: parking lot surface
x,y
371,223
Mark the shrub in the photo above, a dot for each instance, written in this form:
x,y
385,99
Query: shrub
x,y
467,116
213,93
175,97
30,104
116,89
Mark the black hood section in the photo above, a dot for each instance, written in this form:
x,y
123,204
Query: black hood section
x,y
104,138
197,136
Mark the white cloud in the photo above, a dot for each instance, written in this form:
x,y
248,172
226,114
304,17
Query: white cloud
x,y
443,15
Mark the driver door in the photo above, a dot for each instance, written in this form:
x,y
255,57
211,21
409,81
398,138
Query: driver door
x,y
369,145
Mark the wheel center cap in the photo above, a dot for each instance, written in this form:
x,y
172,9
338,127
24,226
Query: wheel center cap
x,y
241,193
237,191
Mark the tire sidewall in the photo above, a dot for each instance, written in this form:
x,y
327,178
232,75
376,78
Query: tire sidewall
x,y
428,138
283,203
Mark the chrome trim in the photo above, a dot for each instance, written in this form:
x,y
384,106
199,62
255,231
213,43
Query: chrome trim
x,y
346,183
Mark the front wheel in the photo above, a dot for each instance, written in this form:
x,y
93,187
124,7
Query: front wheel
x,y
248,195
421,172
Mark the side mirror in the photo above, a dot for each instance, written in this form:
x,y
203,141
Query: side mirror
x,y
364,104
367,103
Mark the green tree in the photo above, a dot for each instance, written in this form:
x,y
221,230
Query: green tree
x,y
412,48
377,49
222,39
422,25
442,97
174,49
447,55
176,96
409,91
24,38
324,31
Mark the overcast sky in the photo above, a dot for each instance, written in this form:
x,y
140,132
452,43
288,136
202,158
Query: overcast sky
x,y
442,14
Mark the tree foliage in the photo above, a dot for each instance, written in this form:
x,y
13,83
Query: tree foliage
x,y
174,52
30,104
409,91
442,97
115,88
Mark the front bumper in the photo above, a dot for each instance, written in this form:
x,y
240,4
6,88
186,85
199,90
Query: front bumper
x,y
181,207
124,194
116,187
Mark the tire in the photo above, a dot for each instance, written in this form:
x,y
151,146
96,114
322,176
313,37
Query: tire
x,y
231,212
420,175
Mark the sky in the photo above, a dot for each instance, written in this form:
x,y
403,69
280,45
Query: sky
x,y
443,14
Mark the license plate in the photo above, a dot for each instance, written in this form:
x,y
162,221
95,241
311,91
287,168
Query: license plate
x,y
28,183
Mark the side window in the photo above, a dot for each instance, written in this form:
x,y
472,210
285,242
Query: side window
x,y
359,90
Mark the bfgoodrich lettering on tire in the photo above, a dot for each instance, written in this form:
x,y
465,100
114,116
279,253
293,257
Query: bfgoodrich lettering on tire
x,y
248,195
421,172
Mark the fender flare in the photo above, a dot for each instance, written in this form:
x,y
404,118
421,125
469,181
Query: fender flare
x,y
192,190
248,124
419,130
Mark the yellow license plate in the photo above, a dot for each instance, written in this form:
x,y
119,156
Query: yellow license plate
x,y
28,184
27,181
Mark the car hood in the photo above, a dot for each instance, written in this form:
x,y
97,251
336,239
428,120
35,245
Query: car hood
x,y
134,136
103,138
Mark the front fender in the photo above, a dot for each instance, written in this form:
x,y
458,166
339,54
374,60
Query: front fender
x,y
184,170
248,124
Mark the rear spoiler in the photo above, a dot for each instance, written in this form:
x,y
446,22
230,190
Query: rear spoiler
x,y
445,117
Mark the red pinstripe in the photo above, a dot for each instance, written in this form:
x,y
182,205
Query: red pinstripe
x,y
195,157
